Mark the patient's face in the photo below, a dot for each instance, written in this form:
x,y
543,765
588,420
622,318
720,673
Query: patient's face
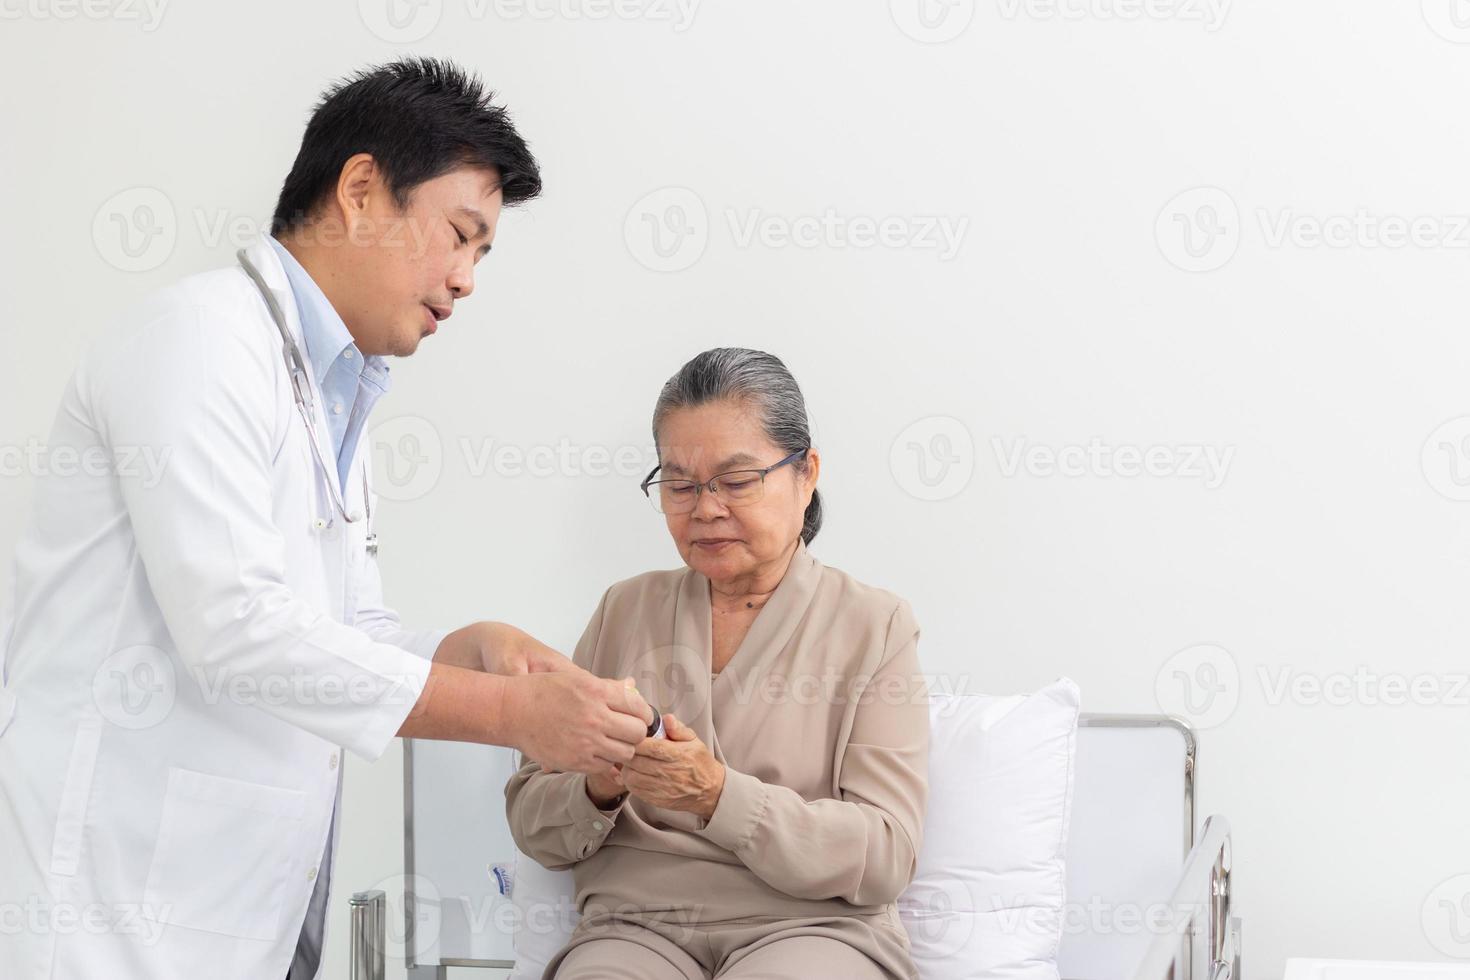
x,y
727,543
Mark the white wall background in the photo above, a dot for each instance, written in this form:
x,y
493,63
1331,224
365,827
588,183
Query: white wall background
x,y
1100,290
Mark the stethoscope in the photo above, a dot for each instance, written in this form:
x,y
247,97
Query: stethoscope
x,y
306,405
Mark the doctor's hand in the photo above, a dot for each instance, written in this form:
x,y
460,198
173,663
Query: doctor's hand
x,y
574,720
677,773
500,648
519,652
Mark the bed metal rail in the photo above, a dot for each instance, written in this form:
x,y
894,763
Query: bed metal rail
x,y
1201,904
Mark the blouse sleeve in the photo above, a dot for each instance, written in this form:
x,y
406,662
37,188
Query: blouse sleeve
x,y
551,817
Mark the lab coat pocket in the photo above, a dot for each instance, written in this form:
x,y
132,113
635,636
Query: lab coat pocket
x,y
225,853
76,792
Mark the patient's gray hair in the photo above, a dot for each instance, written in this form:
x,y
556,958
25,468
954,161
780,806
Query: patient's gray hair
x,y
763,381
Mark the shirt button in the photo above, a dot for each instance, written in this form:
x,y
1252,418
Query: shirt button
x,y
347,353
355,516
597,825
337,409
311,875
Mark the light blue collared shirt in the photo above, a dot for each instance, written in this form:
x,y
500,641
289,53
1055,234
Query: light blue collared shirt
x,y
351,384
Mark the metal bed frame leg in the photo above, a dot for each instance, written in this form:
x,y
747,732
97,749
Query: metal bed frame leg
x,y
369,927
369,952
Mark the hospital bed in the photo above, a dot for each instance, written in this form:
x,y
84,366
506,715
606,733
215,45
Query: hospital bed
x,y
1158,885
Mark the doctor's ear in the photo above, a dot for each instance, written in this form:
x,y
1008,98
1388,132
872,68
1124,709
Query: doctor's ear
x,y
360,179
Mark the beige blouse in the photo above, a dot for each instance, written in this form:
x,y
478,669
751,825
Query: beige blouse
x,y
821,719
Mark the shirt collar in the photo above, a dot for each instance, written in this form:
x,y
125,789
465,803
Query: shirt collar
x,y
322,328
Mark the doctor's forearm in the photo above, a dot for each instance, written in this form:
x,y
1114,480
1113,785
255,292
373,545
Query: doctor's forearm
x,y
460,705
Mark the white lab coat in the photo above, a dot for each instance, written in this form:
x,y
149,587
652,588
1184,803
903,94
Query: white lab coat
x,y
187,655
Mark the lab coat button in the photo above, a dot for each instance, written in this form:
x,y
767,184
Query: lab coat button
x,y
333,763
355,516
311,875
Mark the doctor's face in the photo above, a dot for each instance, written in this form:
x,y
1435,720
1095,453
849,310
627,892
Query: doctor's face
x,y
405,269
730,542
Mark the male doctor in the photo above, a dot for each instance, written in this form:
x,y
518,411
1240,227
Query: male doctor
x,y
186,657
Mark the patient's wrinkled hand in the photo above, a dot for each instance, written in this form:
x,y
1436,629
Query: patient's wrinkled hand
x,y
605,789
676,773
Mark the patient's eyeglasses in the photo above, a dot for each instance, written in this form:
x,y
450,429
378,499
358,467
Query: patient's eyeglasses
x,y
735,488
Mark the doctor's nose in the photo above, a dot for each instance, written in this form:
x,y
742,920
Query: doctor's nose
x,y
461,281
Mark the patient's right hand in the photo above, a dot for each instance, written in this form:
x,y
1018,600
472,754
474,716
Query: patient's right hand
x,y
605,788
574,720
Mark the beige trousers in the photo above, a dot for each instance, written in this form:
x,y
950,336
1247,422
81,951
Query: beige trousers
x,y
791,949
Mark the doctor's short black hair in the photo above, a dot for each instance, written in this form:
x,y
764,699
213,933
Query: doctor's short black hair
x,y
420,118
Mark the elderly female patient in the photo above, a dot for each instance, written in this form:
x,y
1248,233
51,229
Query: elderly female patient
x,y
770,832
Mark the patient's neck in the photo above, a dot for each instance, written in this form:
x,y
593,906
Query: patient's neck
x,y
752,589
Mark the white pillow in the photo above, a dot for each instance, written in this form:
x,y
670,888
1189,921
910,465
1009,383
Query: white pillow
x,y
546,913
987,899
